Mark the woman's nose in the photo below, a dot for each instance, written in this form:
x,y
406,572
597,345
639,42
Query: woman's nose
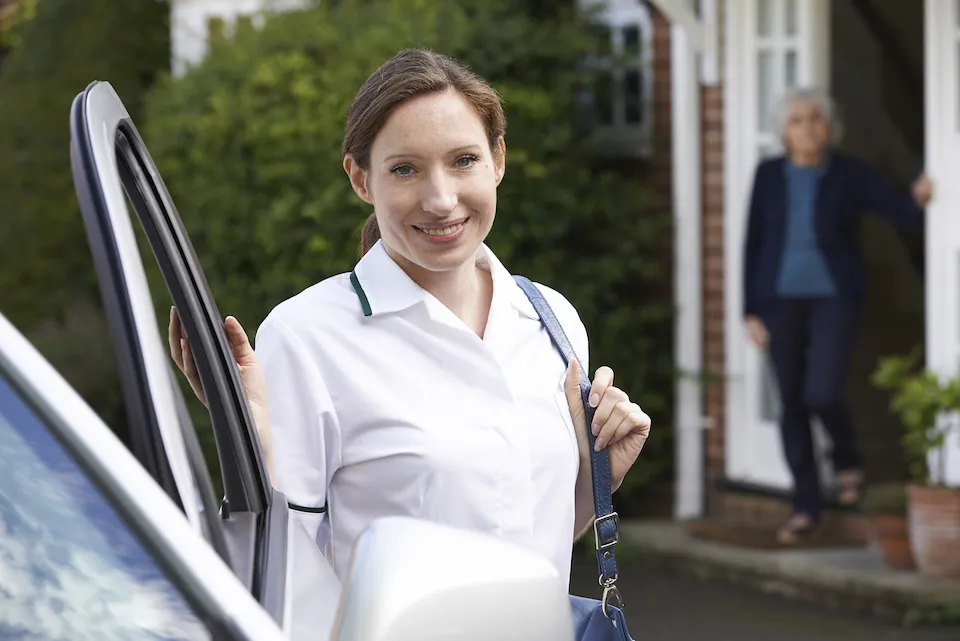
x,y
440,195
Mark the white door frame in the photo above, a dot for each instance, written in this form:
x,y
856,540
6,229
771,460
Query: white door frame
x,y
942,151
752,445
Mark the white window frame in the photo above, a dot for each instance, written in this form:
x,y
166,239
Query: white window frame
x,y
622,138
942,89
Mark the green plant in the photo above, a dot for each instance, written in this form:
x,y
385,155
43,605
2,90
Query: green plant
x,y
46,272
920,398
886,498
249,144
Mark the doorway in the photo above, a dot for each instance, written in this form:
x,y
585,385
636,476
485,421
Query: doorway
x,y
877,80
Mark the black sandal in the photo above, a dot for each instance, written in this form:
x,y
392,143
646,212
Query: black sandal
x,y
852,488
793,532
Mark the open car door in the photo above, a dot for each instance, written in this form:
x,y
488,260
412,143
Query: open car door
x,y
111,168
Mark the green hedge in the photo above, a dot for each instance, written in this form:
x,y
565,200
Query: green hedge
x,y
248,143
47,281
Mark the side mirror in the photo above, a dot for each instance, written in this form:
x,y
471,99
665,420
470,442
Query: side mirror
x,y
411,579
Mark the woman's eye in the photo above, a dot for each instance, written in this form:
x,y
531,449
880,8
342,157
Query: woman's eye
x,y
466,161
402,170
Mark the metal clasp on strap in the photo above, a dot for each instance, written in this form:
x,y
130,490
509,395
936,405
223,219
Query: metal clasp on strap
x,y
611,596
603,545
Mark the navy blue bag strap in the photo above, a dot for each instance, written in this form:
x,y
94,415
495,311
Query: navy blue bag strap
x,y
606,526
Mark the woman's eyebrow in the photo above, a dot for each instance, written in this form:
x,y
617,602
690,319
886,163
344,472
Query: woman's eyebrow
x,y
415,156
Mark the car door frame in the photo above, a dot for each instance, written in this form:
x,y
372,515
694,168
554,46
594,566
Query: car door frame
x,y
110,159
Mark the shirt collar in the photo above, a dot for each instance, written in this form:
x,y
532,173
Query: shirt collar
x,y
383,287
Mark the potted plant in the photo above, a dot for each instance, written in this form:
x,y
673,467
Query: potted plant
x,y
927,405
886,505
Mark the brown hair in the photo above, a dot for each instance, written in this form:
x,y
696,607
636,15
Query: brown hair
x,y
409,74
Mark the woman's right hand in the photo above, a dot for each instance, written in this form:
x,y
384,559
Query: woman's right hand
x,y
248,366
757,332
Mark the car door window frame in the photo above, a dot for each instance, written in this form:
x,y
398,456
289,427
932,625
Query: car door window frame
x,y
111,159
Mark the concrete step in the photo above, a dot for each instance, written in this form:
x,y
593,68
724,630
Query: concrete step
x,y
849,580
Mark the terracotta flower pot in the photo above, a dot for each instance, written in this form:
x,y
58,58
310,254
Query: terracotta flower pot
x,y
934,514
892,532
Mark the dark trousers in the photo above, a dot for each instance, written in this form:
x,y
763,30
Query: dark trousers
x,y
810,344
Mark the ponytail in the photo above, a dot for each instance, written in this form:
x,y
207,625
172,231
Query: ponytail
x,y
370,234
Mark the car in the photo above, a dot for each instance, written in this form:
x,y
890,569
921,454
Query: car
x,y
101,539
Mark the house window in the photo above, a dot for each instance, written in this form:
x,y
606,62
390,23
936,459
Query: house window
x,y
620,103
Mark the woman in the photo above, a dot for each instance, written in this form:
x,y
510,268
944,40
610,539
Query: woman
x,y
804,283
422,383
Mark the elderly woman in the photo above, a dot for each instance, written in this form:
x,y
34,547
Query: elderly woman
x,y
804,281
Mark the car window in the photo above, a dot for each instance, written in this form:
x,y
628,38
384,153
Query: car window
x,y
71,567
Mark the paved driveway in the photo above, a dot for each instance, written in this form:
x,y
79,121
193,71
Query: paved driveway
x,y
663,607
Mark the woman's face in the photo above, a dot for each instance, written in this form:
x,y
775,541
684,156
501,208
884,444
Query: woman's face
x,y
806,133
432,181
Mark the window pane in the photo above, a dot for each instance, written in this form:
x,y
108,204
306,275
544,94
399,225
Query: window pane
x,y
71,567
603,99
601,40
765,17
790,17
631,40
766,78
633,96
790,69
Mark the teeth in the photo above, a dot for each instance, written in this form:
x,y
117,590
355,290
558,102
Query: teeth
x,y
446,231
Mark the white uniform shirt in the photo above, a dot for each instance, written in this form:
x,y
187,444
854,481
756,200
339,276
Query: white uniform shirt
x,y
392,406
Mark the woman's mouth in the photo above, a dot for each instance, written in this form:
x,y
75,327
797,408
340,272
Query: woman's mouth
x,y
442,234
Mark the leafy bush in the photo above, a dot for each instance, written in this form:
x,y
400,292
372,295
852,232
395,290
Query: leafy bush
x,y
920,398
248,143
47,281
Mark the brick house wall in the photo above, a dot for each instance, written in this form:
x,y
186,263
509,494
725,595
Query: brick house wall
x,y
714,353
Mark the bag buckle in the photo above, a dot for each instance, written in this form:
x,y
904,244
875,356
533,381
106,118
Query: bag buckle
x,y
611,596
603,545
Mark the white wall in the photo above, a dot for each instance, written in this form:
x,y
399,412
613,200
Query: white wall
x,y
189,20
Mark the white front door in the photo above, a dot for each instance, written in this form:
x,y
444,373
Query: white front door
x,y
771,45
942,87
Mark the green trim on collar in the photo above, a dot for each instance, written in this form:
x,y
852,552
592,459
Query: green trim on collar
x,y
364,303
309,510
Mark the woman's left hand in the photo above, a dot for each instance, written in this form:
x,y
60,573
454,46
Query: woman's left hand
x,y
619,425
922,190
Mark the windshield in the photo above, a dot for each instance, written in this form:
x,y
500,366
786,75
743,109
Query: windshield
x,y
71,568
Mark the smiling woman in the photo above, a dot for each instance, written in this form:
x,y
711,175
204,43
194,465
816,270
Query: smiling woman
x,y
424,383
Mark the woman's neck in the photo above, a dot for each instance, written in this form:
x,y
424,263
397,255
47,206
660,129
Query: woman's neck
x,y
467,291
808,159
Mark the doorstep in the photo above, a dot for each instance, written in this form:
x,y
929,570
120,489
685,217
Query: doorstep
x,y
851,580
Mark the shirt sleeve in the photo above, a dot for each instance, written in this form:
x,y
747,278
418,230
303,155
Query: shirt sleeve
x,y
303,423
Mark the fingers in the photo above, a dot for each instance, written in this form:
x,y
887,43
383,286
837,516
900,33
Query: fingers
x,y
608,416
174,337
634,420
190,370
571,388
239,342
601,381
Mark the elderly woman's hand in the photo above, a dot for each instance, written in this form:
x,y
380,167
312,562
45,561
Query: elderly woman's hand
x,y
757,332
922,190
248,366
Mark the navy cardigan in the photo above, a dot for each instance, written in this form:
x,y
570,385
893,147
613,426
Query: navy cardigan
x,y
847,188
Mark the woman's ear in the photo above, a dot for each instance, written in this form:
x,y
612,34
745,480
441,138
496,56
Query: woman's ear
x,y
500,159
358,178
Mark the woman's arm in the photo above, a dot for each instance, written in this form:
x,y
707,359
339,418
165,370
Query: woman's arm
x,y
902,208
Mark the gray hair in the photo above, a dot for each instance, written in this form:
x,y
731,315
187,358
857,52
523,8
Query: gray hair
x,y
819,97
